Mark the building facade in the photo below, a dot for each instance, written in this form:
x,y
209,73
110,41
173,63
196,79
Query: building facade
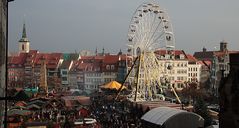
x,y
90,72
184,68
219,61
68,59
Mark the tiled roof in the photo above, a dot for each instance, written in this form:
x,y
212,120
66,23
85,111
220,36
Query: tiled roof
x,y
207,55
51,59
18,60
111,59
191,58
205,63
65,64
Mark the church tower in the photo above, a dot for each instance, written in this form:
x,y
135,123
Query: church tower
x,y
24,43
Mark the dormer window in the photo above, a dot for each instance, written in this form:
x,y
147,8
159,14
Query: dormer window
x,y
107,67
112,67
182,56
167,56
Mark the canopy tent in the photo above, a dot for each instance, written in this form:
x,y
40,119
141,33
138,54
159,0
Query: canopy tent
x,y
166,117
113,85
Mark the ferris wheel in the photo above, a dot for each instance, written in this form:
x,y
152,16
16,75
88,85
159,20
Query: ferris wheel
x,y
150,30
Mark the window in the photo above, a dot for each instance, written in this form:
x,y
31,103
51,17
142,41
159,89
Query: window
x,y
112,67
64,78
64,72
167,56
107,67
181,56
23,47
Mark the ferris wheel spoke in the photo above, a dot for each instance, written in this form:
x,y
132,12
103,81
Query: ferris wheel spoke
x,y
154,33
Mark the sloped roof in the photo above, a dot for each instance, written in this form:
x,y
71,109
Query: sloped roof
x,y
22,96
206,55
51,59
33,106
14,112
173,117
65,64
71,56
18,60
191,58
111,59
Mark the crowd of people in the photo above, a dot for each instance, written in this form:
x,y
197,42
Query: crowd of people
x,y
115,114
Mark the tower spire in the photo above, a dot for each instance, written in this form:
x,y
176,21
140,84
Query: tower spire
x,y
103,51
96,51
24,43
24,33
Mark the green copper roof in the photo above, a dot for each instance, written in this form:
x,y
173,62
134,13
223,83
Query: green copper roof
x,y
24,34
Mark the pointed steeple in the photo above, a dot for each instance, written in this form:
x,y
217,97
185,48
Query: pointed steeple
x,y
24,43
96,51
120,52
103,51
24,34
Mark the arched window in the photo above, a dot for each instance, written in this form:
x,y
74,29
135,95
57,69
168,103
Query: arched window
x,y
23,47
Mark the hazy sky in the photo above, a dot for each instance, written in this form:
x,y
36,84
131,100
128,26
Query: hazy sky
x,y
69,25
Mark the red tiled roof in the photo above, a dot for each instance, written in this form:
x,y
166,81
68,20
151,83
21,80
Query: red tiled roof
x,y
91,57
18,60
51,59
206,63
33,51
191,58
122,57
110,59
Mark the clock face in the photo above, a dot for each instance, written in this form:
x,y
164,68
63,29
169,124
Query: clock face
x,y
138,51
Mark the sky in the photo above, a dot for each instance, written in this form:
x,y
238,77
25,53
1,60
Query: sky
x,y
75,25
